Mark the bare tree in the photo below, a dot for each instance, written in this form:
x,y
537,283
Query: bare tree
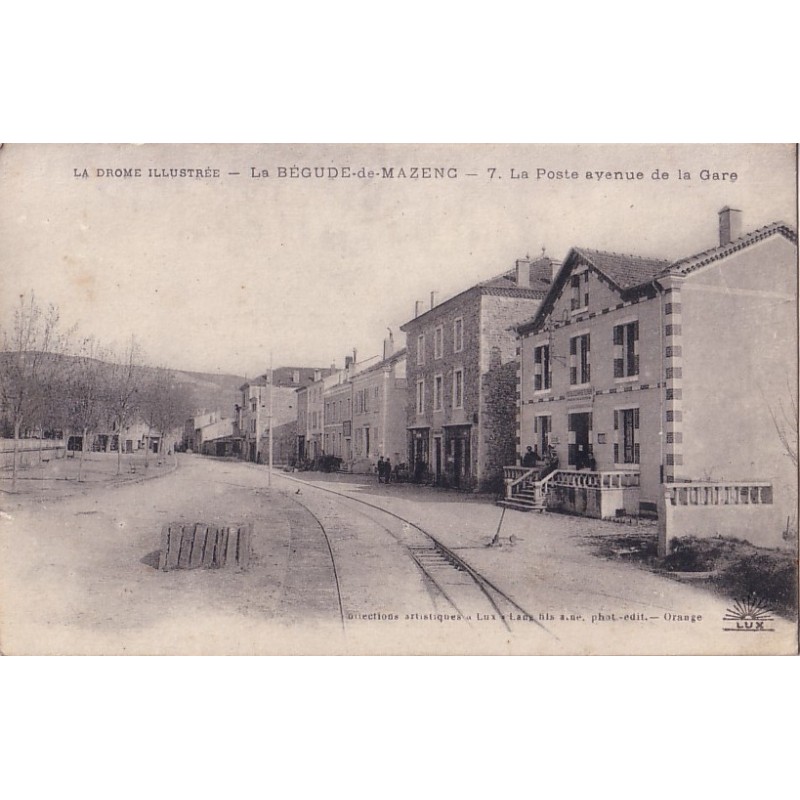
x,y
85,393
26,367
165,403
785,420
123,392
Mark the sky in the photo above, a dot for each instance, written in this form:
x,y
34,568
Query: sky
x,y
223,273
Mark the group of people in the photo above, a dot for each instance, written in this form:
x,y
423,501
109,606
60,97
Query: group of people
x,y
533,459
584,459
384,470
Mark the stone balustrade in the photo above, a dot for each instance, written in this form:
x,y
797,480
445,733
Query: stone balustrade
x,y
728,493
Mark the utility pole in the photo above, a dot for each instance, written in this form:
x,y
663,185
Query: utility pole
x,y
269,472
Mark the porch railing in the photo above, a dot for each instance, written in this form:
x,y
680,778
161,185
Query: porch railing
x,y
534,481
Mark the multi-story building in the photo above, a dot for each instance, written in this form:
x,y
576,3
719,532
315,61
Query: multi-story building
x,y
193,425
461,378
379,411
310,425
668,378
338,413
275,399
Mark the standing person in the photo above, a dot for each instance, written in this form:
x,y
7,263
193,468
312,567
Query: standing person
x,y
530,458
381,469
387,470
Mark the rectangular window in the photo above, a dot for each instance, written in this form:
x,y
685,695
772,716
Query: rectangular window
x,y
541,368
626,350
437,393
421,397
438,342
626,448
579,366
458,335
421,349
458,388
579,294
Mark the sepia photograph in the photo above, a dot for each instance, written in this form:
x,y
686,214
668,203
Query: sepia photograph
x,y
385,399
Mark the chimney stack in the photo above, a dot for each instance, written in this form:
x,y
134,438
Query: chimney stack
x,y
433,298
348,360
417,308
388,346
730,225
523,273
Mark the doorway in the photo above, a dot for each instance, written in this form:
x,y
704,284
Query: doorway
x,y
580,428
457,447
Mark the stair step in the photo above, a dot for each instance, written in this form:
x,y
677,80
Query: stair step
x,y
517,505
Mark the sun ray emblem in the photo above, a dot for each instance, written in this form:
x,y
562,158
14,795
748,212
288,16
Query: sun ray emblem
x,y
749,615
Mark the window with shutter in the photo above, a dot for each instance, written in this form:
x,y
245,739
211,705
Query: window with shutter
x,y
626,356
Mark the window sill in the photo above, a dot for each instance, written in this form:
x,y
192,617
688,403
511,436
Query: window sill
x,y
627,467
575,311
627,379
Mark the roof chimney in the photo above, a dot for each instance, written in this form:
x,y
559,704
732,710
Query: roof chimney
x,y
523,273
433,298
730,225
417,308
388,345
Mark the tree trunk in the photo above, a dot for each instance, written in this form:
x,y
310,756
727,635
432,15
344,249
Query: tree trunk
x,y
80,463
119,448
14,462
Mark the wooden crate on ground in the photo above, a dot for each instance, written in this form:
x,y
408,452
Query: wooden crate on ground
x,y
197,544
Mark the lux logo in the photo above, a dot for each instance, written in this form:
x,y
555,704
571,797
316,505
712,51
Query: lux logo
x,y
749,615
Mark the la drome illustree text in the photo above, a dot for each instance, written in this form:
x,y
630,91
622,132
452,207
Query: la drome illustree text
x,y
413,173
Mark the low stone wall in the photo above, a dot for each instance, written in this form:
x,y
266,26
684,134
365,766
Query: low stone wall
x,y
737,511
29,452
594,501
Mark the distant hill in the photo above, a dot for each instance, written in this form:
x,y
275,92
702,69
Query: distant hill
x,y
213,391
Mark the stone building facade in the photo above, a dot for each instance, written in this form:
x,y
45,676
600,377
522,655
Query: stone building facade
x,y
461,378
676,372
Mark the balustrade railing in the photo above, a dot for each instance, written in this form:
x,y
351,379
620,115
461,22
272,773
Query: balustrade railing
x,y
519,478
728,493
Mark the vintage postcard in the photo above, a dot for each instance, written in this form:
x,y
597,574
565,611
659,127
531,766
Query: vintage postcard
x,y
398,399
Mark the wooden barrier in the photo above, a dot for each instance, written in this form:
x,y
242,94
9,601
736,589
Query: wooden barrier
x,y
197,544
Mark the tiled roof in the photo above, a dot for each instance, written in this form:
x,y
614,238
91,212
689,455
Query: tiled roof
x,y
541,275
626,271
686,265
630,272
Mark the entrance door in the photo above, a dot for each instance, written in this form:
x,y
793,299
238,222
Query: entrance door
x,y
458,454
437,458
580,426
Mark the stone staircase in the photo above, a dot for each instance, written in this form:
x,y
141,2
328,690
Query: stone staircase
x,y
525,499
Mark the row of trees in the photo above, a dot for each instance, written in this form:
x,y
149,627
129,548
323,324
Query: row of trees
x,y
54,380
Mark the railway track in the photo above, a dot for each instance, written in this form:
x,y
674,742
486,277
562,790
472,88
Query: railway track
x,y
462,587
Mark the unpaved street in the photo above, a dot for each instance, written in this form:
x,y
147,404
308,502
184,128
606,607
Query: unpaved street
x,y
332,573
